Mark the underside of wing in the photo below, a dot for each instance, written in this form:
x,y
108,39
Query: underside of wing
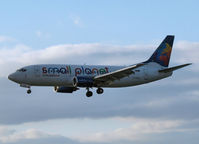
x,y
116,75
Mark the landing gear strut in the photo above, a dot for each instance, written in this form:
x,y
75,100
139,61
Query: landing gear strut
x,y
89,93
26,86
99,91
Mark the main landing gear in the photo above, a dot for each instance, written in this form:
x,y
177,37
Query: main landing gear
x,y
29,91
99,91
90,93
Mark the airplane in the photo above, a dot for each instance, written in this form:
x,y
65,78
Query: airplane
x,y
67,78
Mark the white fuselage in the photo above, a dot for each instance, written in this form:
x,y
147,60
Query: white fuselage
x,y
62,75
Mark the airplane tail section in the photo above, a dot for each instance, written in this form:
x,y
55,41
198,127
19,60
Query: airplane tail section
x,y
163,52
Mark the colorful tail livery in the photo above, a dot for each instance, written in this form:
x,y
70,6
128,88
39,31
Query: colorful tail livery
x,y
163,52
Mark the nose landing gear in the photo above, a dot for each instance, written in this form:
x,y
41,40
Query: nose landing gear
x,y
29,91
26,86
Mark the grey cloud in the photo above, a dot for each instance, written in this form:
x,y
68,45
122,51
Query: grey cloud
x,y
160,99
58,140
165,98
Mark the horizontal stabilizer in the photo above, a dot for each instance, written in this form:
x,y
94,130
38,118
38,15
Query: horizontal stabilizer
x,y
174,68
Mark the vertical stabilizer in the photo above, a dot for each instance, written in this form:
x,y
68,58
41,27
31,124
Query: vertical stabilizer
x,y
163,52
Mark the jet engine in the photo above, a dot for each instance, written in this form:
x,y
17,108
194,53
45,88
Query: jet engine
x,y
63,89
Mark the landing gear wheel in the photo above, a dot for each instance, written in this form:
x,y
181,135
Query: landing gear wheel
x,y
28,91
89,93
99,91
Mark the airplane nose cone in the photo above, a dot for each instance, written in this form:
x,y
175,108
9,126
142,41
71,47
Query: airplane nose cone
x,y
11,77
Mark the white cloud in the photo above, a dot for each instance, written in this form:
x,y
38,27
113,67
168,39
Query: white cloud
x,y
4,131
94,53
6,39
7,135
187,52
135,132
95,130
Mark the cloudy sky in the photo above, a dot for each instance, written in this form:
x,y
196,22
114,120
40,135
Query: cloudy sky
x,y
99,32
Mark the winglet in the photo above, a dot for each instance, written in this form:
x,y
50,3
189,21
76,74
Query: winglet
x,y
174,68
163,52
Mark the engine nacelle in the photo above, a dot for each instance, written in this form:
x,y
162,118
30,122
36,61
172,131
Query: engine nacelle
x,y
83,81
63,89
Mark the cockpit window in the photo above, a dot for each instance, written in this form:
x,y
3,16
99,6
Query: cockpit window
x,y
22,70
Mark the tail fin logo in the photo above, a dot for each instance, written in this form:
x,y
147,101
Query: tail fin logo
x,y
164,54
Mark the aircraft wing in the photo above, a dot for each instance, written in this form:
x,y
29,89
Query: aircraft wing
x,y
118,74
